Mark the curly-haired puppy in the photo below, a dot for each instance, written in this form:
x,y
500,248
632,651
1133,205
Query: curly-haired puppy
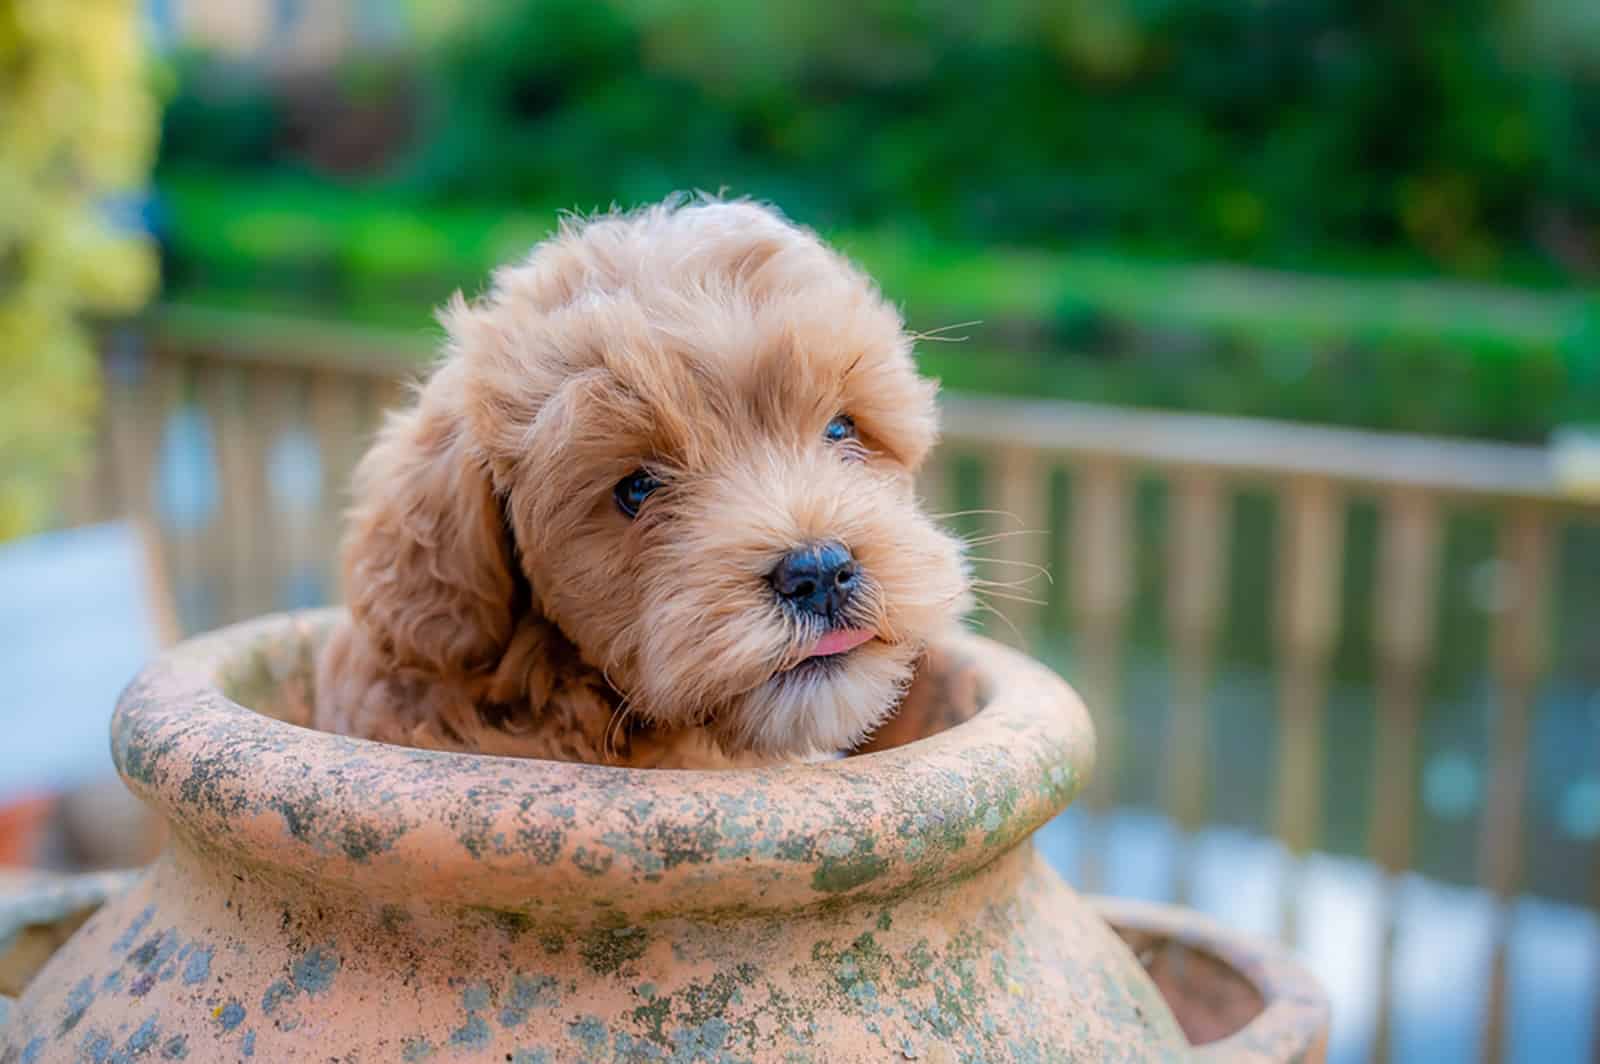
x,y
655,507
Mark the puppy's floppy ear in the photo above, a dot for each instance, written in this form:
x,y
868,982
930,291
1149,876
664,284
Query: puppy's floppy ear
x,y
427,565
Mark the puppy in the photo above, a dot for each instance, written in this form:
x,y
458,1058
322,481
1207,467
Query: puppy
x,y
654,507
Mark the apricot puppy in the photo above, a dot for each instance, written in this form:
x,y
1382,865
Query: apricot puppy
x,y
654,507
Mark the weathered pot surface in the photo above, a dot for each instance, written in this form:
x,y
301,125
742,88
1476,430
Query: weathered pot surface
x,y
324,898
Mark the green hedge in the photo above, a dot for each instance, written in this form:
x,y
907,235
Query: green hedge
x,y
1463,133
1379,353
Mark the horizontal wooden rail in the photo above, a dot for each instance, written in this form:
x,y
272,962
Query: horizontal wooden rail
x,y
1247,447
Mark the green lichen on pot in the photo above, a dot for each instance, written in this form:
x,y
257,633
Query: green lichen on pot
x,y
345,899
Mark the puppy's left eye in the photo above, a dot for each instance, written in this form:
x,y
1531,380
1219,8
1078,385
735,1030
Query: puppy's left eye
x,y
632,490
842,427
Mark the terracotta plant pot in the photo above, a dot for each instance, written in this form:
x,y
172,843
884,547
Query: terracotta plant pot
x,y
324,898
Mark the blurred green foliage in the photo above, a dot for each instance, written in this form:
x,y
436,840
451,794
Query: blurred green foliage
x,y
77,123
224,114
1061,169
1088,324
1466,131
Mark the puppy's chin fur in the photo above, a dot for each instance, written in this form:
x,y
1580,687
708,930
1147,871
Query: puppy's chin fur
x,y
821,705
502,602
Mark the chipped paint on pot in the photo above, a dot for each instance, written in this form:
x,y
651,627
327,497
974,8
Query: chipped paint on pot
x,y
324,898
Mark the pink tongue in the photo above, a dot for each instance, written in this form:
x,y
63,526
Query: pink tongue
x,y
841,641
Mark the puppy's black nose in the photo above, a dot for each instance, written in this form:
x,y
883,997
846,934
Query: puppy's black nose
x,y
817,578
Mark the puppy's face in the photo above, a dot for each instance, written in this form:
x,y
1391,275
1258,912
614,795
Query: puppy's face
x,y
704,425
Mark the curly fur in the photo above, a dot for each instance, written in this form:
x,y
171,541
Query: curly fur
x,y
502,603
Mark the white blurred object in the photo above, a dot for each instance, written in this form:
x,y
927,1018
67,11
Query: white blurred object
x,y
1575,461
84,609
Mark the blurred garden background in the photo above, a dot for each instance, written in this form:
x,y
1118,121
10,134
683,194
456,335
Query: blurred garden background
x,y
1279,320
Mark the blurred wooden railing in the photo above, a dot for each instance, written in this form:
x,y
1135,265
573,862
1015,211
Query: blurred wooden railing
x,y
1314,473
239,453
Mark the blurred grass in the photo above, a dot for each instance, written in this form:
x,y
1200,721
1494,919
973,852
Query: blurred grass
x,y
1086,323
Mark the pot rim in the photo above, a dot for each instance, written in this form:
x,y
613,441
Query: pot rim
x,y
571,842
1293,1021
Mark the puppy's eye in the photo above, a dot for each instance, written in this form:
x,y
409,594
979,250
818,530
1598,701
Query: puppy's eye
x,y
842,427
632,490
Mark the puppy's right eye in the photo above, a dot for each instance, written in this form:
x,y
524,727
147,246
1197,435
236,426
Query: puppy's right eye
x,y
632,490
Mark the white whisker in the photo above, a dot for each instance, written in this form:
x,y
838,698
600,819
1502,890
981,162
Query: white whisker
x,y
1024,584
977,513
935,334
991,537
1038,570
1008,621
985,593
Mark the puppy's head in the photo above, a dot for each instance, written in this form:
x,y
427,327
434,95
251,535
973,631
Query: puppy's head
x,y
695,430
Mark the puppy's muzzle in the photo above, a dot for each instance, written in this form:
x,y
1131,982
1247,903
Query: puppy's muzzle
x,y
817,578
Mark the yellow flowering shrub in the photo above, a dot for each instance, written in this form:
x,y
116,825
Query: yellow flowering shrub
x,y
77,125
